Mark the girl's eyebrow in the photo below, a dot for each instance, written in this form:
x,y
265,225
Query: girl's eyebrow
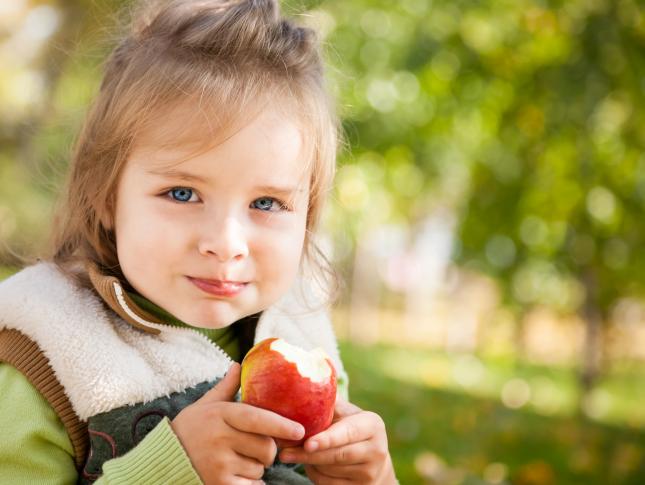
x,y
178,174
281,191
272,189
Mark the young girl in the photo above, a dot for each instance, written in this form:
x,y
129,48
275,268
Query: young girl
x,y
183,239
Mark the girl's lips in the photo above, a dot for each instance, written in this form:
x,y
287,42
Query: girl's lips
x,y
219,288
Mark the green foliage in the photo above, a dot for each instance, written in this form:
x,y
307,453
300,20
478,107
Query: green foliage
x,y
525,117
5,272
556,198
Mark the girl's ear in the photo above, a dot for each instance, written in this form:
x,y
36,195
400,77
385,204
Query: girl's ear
x,y
106,217
106,222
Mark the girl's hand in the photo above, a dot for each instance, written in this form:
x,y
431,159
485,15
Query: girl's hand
x,y
230,442
352,450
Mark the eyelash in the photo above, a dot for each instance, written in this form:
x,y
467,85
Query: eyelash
x,y
282,206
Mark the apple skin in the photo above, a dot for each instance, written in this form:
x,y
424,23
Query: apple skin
x,y
271,382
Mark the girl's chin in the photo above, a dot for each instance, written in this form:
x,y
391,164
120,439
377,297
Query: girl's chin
x,y
212,324
214,320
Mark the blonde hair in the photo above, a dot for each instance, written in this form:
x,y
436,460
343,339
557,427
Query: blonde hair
x,y
228,58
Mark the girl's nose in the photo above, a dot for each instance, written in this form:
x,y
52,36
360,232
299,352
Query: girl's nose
x,y
225,241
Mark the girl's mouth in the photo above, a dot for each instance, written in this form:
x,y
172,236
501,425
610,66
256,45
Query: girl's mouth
x,y
225,289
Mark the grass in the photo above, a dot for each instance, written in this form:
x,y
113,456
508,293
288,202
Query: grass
x,y
447,423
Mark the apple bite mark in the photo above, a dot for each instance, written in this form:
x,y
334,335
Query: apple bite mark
x,y
312,364
292,382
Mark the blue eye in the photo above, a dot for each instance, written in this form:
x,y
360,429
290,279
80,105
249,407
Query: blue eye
x,y
181,194
266,204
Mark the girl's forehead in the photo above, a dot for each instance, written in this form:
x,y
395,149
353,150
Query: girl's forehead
x,y
183,129
271,144
190,128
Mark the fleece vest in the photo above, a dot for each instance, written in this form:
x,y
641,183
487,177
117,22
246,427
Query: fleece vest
x,y
112,371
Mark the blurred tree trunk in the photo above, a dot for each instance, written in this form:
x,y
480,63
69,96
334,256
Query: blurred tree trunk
x,y
592,348
365,296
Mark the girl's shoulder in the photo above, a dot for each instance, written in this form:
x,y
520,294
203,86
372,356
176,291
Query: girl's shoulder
x,y
40,282
43,291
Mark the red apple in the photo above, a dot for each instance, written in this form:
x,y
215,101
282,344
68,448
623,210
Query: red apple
x,y
292,382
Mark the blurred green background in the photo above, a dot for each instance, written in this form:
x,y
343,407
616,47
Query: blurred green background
x,y
487,217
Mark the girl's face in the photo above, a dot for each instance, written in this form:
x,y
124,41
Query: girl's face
x,y
218,236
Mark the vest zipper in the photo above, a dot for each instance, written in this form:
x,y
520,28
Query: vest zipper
x,y
163,326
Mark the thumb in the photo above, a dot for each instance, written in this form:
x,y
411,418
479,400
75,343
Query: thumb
x,y
345,408
227,387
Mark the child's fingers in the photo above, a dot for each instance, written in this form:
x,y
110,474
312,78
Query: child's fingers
x,y
352,454
345,472
247,468
251,419
246,481
320,478
258,447
351,429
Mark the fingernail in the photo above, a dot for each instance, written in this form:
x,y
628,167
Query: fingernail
x,y
299,431
312,446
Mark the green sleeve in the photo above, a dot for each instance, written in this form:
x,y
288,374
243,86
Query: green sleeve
x,y
159,458
35,447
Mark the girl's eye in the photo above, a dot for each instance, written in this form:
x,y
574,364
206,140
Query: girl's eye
x,y
181,194
268,204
